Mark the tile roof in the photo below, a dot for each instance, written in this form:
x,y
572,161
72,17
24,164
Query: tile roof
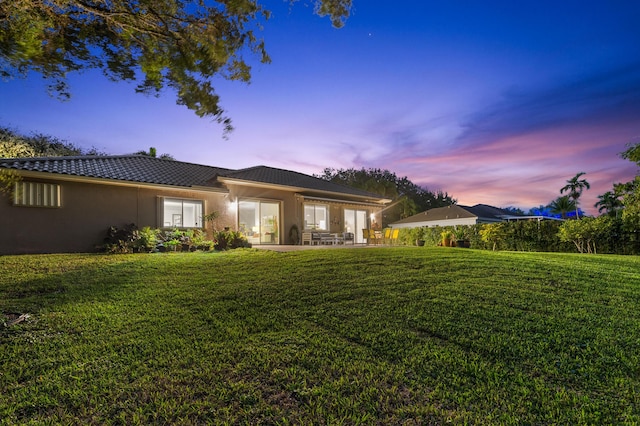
x,y
130,168
441,213
271,175
486,211
145,169
457,212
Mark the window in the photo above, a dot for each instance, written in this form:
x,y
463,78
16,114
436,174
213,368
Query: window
x,y
179,213
36,194
316,216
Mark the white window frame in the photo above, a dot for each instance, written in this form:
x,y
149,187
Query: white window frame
x,y
37,194
316,225
178,222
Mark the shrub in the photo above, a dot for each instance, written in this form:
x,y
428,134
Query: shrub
x,y
226,240
130,239
120,240
147,239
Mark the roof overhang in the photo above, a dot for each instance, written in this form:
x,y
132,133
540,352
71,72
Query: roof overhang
x,y
301,191
537,217
339,201
114,182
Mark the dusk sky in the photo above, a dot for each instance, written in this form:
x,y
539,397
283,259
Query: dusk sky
x,y
494,102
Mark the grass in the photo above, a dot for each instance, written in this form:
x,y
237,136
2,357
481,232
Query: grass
x,y
374,336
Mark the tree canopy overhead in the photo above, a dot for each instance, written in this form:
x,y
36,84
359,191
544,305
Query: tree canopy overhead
x,y
157,43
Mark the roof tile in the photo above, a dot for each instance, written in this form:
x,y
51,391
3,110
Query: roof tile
x,y
131,168
145,169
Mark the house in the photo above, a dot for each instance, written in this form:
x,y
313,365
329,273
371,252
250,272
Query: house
x,y
460,215
66,204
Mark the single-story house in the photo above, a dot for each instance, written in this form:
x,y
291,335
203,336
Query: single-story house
x,y
461,215
66,204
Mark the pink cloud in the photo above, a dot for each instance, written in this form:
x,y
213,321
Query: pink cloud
x,y
528,170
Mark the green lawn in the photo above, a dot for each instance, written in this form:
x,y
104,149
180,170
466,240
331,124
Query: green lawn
x,y
362,336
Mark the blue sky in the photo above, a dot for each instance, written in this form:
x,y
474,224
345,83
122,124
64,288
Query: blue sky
x,y
495,102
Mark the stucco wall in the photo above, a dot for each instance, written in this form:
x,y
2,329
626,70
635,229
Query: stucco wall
x,y
291,210
288,212
87,211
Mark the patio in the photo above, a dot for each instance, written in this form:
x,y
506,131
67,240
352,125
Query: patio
x,y
286,248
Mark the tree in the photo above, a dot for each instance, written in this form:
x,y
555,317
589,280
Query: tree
x,y
13,144
154,153
574,187
630,192
541,211
407,197
494,233
562,205
157,43
8,180
632,153
514,210
610,203
587,233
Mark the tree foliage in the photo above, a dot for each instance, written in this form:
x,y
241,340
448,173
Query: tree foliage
x,y
582,233
494,233
153,152
630,192
609,203
157,43
574,187
14,145
562,206
632,153
407,197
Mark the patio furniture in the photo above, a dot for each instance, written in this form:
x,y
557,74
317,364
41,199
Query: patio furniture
x,y
394,236
372,236
387,236
348,238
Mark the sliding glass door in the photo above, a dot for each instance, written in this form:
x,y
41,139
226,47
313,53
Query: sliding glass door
x,y
355,221
259,221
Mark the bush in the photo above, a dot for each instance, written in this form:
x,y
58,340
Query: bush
x,y
512,236
147,239
227,240
120,240
130,239
603,234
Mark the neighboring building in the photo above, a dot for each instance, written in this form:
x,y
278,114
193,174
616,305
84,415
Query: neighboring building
x,y
66,204
461,215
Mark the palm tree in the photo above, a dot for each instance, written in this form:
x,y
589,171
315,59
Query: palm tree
x,y
575,186
610,202
562,205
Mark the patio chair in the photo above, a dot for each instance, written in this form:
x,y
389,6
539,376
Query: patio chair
x,y
394,236
365,234
374,237
349,238
386,239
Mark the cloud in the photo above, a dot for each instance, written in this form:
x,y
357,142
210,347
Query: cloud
x,y
602,95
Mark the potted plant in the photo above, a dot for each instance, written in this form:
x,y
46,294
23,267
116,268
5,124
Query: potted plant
x,y
446,238
460,235
294,235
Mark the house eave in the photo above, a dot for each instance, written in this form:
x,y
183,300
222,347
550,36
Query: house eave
x,y
114,182
338,201
301,190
